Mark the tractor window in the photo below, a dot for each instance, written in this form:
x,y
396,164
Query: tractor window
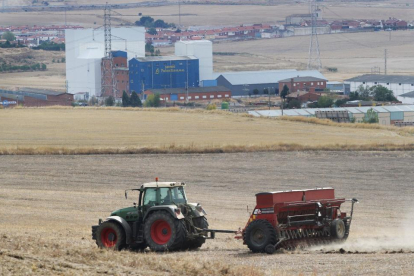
x,y
150,197
165,195
178,195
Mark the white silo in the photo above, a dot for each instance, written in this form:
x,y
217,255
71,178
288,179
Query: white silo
x,y
201,49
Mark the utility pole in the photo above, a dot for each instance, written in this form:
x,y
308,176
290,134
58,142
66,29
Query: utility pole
x,y
385,61
314,61
179,14
66,22
108,81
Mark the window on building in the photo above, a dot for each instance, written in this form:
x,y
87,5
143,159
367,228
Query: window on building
x,y
375,82
311,83
412,84
142,70
211,96
132,81
219,96
294,84
181,98
197,97
363,82
399,84
226,95
204,97
189,97
388,83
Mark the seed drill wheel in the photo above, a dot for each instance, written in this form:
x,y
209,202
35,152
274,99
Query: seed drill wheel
x,y
338,229
162,232
259,234
110,235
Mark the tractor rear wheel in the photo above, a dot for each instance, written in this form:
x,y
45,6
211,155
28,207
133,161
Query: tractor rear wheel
x,y
338,229
200,222
259,234
162,232
110,235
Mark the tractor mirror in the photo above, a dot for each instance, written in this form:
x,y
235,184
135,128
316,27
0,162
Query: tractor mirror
x,y
355,200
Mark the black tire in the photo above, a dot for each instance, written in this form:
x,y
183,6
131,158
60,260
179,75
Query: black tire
x,y
338,229
110,235
259,234
138,247
162,232
200,222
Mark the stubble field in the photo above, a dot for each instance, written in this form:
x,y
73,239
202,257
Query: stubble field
x,y
48,204
93,130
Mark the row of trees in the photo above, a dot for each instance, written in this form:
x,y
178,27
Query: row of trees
x,y
50,46
133,101
377,92
151,24
33,67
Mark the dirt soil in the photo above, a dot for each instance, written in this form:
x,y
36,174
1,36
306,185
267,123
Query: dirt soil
x,y
48,204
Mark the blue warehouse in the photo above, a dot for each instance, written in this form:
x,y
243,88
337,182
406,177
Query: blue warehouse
x,y
163,72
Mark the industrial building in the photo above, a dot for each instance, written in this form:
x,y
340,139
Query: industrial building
x,y
387,115
303,84
115,73
36,97
85,49
398,84
194,93
163,72
245,83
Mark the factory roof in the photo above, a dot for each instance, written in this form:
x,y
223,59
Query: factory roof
x,y
261,77
311,111
164,58
383,78
301,79
190,90
407,95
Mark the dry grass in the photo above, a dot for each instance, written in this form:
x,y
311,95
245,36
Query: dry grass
x,y
92,130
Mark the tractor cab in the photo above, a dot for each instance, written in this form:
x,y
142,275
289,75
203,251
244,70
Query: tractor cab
x,y
161,193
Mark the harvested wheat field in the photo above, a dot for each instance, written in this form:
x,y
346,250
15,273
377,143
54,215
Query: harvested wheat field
x,y
117,130
48,204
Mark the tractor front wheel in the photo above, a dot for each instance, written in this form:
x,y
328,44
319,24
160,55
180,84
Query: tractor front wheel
x,y
162,232
110,235
259,234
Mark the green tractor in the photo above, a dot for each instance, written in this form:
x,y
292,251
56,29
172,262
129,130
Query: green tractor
x,y
163,220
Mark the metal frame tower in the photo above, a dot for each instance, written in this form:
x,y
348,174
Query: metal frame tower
x,y
314,61
107,72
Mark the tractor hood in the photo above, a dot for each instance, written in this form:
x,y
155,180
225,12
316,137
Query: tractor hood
x,y
129,213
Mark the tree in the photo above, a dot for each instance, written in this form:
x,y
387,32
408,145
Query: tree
x,y
284,93
294,103
9,36
144,21
266,91
110,101
125,99
353,96
382,94
371,117
149,48
44,66
340,102
152,31
135,101
153,100
363,92
256,91
160,24
325,101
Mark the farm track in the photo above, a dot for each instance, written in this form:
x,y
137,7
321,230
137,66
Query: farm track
x,y
48,204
